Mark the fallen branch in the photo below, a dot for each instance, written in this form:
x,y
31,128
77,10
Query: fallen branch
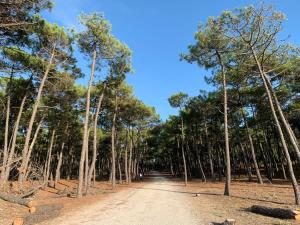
x,y
276,212
15,199
32,192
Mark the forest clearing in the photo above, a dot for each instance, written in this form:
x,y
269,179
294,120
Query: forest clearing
x,y
106,126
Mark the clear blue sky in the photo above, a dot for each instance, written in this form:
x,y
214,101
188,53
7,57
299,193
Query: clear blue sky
x,y
157,31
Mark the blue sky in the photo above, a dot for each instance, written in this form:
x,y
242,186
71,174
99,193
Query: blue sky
x,y
157,31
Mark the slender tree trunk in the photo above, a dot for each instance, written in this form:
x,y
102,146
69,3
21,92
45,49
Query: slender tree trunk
x,y
47,170
247,165
119,168
113,134
286,124
258,175
23,167
227,151
211,165
182,152
285,148
85,143
126,158
33,143
6,170
86,168
5,150
95,139
130,157
59,163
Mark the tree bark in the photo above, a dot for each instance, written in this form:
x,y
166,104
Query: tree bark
x,y
113,158
276,212
126,158
85,144
13,142
5,150
258,175
182,152
226,135
95,139
59,163
47,170
24,165
279,129
130,157
286,124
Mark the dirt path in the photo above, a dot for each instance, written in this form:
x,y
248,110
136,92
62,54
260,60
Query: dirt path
x,y
160,201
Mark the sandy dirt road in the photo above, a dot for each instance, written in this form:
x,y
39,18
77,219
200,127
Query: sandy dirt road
x,y
160,201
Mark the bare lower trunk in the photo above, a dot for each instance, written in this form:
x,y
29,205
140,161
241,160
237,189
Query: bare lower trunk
x,y
258,175
47,169
120,170
113,131
95,140
279,129
226,135
86,171
23,167
85,144
5,150
126,159
13,142
59,163
182,152
286,124
130,158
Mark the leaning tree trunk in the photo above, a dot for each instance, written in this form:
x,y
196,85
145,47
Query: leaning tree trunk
x,y
95,140
279,129
13,142
24,164
85,143
286,124
5,150
33,142
227,151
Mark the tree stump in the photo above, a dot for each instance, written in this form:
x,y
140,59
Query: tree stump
x,y
229,222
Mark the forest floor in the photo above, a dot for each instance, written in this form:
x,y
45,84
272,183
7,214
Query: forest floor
x,y
162,200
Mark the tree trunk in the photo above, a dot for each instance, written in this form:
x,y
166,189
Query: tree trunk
x,y
286,124
85,143
13,142
211,165
126,158
258,175
59,163
182,152
95,140
5,150
23,167
227,151
47,169
130,157
113,134
285,148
